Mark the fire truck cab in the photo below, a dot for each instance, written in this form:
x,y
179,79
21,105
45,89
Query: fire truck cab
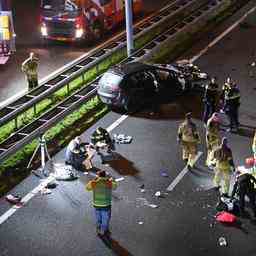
x,y
7,35
74,20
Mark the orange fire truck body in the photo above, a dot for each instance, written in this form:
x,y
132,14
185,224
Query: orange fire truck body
x,y
75,20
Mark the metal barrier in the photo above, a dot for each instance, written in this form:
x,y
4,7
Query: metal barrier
x,y
25,135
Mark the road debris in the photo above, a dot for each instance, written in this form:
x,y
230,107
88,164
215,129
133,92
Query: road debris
x,y
158,194
119,179
13,199
222,241
164,174
140,222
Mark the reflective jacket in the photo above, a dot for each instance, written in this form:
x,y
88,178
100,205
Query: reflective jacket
x,y
224,158
212,132
187,132
102,191
232,97
100,136
29,67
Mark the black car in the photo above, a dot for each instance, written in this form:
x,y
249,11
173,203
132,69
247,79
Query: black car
x,y
133,85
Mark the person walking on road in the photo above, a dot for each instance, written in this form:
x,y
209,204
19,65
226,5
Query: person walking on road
x,y
102,187
188,137
210,99
29,67
244,186
231,107
224,166
212,139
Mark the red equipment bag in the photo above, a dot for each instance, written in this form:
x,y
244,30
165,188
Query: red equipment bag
x,y
250,161
226,217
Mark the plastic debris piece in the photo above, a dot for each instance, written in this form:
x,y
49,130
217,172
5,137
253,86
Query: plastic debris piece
x,y
226,217
253,64
164,174
142,186
153,205
142,190
222,241
119,179
158,194
140,222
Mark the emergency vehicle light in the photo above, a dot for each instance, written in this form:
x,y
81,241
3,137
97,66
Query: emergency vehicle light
x,y
79,32
44,30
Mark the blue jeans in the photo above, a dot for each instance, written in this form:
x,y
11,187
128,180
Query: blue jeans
x,y
103,216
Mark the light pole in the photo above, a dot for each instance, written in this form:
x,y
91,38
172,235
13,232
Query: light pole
x,y
129,26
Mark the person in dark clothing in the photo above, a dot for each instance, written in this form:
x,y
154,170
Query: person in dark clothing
x,y
210,99
231,107
100,138
244,186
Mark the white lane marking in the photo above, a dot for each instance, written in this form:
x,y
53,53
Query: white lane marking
x,y
182,174
12,98
116,123
25,199
218,38
44,183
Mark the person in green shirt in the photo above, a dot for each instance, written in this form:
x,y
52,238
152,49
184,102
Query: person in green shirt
x,y
102,187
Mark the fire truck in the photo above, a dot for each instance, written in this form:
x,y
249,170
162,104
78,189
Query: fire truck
x,y
75,20
7,35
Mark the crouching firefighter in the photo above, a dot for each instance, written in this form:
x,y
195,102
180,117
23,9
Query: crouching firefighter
x,y
224,166
188,137
78,155
244,186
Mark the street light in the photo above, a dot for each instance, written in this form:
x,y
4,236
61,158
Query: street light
x,y
129,26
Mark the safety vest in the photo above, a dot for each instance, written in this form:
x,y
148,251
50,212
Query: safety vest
x,y
188,132
254,144
102,191
232,96
211,93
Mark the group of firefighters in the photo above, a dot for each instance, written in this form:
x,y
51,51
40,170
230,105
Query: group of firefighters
x,y
219,155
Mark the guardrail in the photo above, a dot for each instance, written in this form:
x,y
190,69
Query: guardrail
x,y
81,67
25,135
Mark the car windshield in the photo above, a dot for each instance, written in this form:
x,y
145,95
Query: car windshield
x,y
61,5
110,81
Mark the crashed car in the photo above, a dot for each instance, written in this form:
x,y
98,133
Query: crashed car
x,y
133,85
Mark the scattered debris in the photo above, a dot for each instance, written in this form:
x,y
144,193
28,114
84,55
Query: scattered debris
x,y
119,179
142,186
122,139
253,64
13,199
164,174
222,241
153,205
64,172
140,222
158,194
142,190
51,185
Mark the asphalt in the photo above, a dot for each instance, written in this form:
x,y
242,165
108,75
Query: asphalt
x,y
62,223
52,56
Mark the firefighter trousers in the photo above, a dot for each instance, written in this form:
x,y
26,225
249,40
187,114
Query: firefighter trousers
x,y
189,151
210,160
222,178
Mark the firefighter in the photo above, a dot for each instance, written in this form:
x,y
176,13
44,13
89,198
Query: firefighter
x,y
210,99
102,187
100,139
244,186
29,67
212,139
232,103
224,166
189,139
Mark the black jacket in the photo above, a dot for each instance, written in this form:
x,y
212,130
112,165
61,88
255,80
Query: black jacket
x,y
244,184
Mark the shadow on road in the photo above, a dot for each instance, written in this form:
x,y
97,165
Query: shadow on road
x,y
123,166
115,247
